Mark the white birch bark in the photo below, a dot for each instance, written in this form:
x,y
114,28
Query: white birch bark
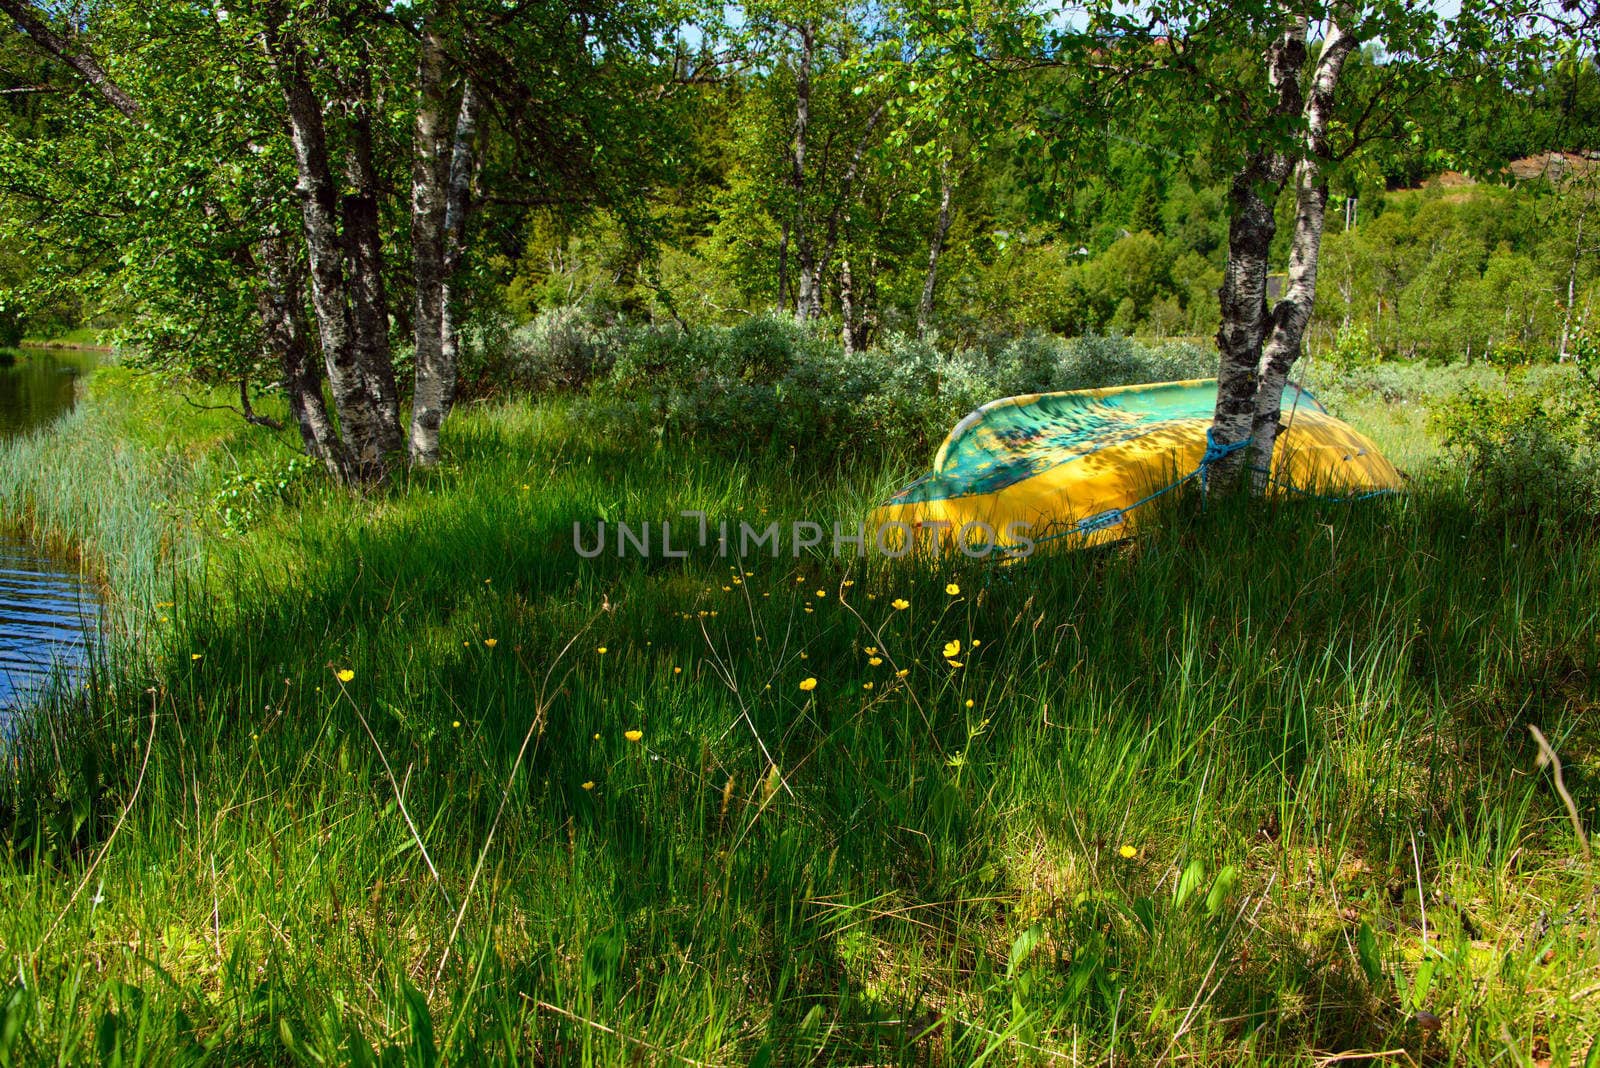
x,y
430,177
1293,312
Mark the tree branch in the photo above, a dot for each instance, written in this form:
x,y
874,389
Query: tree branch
x,y
27,18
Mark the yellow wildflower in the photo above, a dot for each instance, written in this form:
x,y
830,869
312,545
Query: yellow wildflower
x,y
1128,852
875,660
900,604
821,594
633,735
866,685
969,702
491,642
344,676
196,656
456,723
808,684
677,671
871,650
952,648
902,673
589,785
601,650
952,589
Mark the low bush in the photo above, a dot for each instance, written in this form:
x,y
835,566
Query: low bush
x,y
770,381
1527,445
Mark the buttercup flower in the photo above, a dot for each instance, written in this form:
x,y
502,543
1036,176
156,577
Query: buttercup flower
x,y
952,589
875,660
589,785
866,685
601,650
633,736
1128,852
344,676
952,648
899,604
808,684
902,673
491,642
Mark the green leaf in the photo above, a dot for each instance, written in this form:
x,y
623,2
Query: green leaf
x,y
1222,889
1023,947
1189,881
1367,952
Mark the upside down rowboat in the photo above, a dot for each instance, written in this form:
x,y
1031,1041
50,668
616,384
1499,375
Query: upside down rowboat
x,y
1078,465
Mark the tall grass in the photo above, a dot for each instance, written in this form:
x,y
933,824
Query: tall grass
x,y
1253,788
83,487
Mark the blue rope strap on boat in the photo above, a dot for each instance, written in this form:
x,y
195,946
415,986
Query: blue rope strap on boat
x,y
1215,451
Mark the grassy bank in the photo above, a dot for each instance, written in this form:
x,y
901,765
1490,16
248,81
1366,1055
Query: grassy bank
x,y
406,777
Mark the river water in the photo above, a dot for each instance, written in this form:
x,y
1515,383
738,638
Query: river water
x,y
47,610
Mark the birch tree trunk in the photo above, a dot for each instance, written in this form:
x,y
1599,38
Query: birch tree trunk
x,y
287,335
1243,295
1291,314
847,308
1572,278
941,229
365,415
430,177
805,297
457,207
369,299
838,214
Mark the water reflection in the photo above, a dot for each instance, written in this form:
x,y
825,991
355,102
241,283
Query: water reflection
x,y
47,611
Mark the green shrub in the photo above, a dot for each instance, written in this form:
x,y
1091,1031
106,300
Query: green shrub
x,y
244,497
770,381
775,382
1527,448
